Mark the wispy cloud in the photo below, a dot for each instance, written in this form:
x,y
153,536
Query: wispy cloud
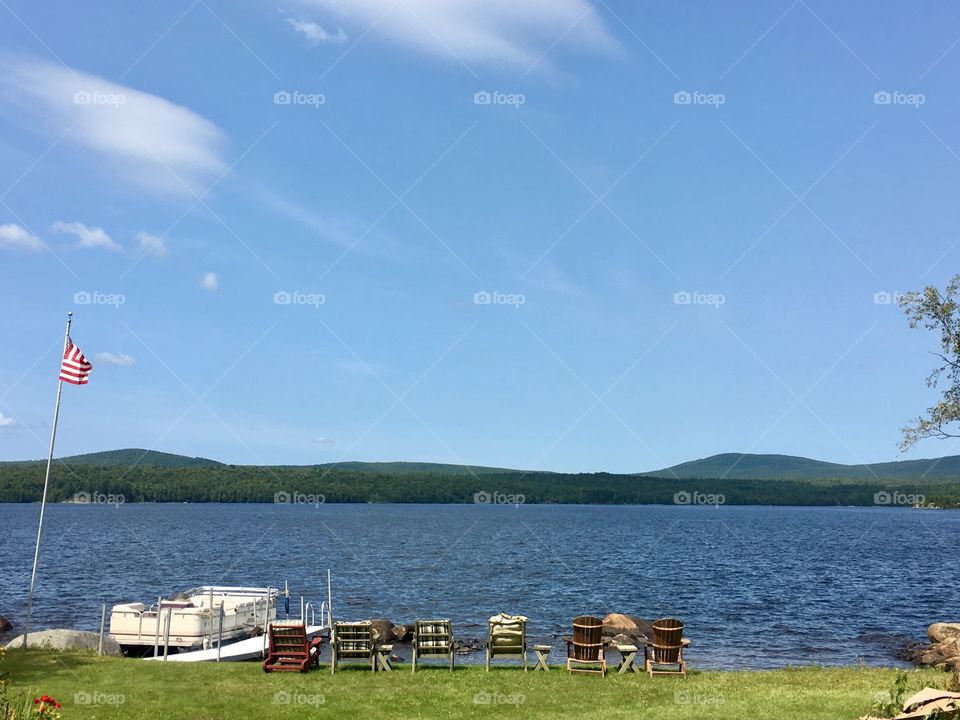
x,y
359,367
6,422
324,441
144,138
550,277
346,233
210,282
16,237
498,31
152,245
88,237
118,359
316,33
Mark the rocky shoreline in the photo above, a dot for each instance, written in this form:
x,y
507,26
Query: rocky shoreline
x,y
941,652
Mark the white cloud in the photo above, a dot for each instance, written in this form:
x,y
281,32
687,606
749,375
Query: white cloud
x,y
315,33
210,281
324,441
17,237
511,32
6,422
118,359
89,237
142,137
153,245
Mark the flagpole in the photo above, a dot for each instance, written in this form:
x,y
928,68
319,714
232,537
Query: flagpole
x,y
46,482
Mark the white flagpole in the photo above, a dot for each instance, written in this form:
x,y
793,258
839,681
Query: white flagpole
x,y
46,482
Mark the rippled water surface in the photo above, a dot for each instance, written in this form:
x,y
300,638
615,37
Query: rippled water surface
x,y
756,586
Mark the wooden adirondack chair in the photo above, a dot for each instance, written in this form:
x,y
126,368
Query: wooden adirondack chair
x,y
288,650
352,641
585,651
507,635
666,649
433,638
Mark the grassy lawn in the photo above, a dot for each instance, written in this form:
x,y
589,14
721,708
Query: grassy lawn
x,y
93,687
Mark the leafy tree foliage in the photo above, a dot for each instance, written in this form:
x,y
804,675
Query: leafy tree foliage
x,y
938,312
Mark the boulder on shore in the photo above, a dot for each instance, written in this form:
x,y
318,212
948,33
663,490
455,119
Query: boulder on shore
x,y
5,625
620,624
943,632
943,650
66,640
382,630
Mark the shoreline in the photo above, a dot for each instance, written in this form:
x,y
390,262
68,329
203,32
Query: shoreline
x,y
468,503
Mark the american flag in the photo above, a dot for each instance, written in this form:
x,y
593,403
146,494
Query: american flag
x,y
75,367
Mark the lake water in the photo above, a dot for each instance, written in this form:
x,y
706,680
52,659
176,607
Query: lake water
x,y
757,587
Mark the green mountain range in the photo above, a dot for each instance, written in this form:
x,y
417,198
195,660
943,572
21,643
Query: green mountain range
x,y
148,476
788,467
726,466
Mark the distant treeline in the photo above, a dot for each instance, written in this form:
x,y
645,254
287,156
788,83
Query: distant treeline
x,y
235,483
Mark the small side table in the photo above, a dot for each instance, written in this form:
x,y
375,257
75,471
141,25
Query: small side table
x,y
542,651
381,658
628,654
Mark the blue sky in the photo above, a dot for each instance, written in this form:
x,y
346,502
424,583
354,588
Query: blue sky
x,y
553,235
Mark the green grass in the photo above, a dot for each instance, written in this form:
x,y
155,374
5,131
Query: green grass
x,y
243,690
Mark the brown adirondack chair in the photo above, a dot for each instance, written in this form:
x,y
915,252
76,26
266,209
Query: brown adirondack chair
x,y
433,638
288,650
585,652
352,641
666,649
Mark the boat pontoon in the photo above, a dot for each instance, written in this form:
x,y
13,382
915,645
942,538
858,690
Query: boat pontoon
x,y
198,618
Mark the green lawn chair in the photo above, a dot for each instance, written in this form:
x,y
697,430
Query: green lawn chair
x,y
352,641
507,636
433,638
